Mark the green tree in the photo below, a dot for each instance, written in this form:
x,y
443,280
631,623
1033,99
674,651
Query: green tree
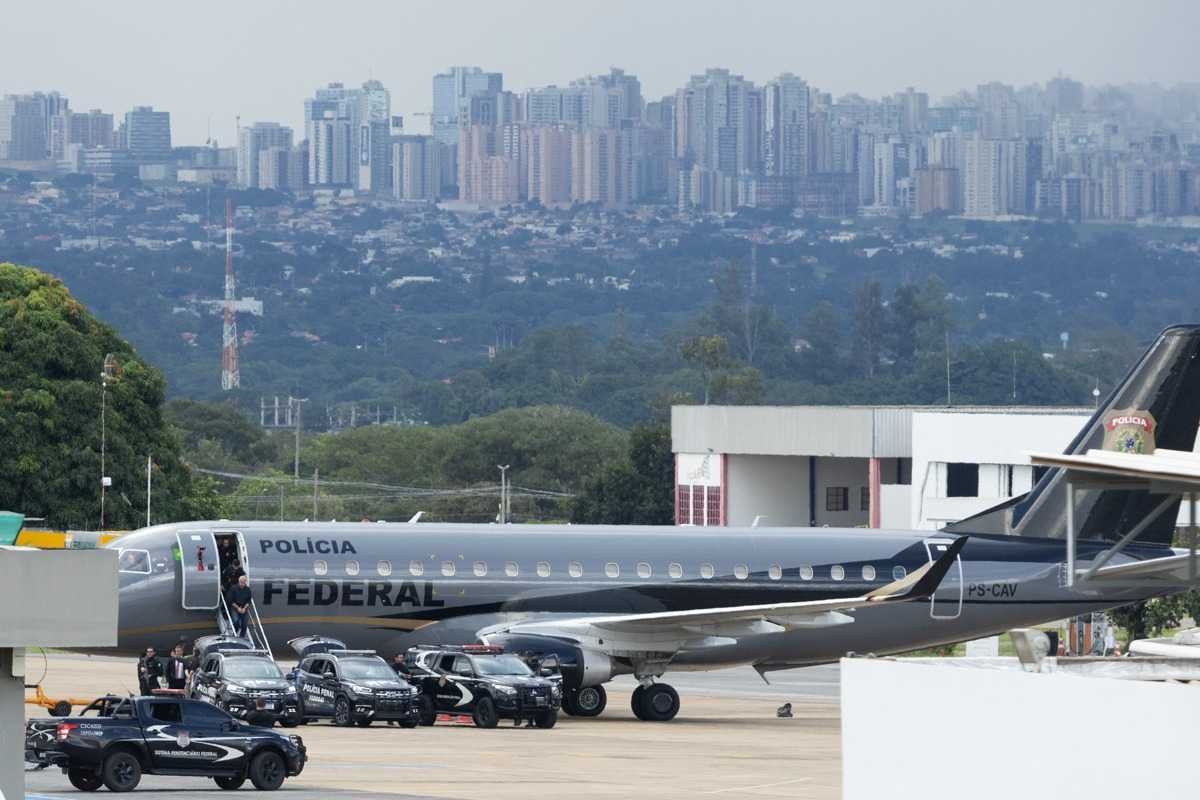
x,y
708,354
51,355
637,490
868,326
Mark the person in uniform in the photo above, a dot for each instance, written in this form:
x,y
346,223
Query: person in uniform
x,y
149,671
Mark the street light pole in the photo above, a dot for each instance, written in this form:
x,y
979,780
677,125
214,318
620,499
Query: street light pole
x,y
149,467
103,408
503,492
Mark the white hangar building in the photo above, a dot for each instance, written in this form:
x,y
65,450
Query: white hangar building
x,y
857,466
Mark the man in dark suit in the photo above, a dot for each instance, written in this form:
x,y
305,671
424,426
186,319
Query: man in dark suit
x,y
177,669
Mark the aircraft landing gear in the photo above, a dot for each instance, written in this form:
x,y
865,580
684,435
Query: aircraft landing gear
x,y
586,701
656,702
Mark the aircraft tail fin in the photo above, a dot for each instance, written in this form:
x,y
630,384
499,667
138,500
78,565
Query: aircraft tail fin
x,y
1157,404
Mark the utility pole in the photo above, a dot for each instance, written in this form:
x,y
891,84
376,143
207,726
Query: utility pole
x,y
316,492
108,372
503,492
149,467
296,401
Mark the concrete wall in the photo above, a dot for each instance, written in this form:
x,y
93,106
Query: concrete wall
x,y
934,732
775,487
58,598
858,431
848,472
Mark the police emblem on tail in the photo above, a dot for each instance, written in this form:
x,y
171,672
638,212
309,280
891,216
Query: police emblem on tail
x,y
1129,431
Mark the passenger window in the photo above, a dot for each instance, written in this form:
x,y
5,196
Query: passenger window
x,y
675,570
612,570
898,573
706,570
134,561
448,569
351,567
868,572
447,664
462,666
479,568
166,712
543,569
511,569
198,713
741,572
575,569
774,572
384,568
643,570
320,567
416,568
806,572
837,572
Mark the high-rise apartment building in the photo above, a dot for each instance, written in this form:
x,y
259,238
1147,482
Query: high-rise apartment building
x,y
891,166
937,190
546,164
23,128
1000,114
362,118
252,141
93,129
416,168
716,123
601,166
995,177
450,88
273,168
786,127
148,135
331,159
914,111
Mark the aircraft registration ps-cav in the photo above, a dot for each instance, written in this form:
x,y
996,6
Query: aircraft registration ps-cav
x,y
612,600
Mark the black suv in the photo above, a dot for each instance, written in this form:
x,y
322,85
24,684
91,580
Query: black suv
x,y
484,682
245,682
350,686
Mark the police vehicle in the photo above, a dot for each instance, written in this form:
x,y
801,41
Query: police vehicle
x,y
484,682
243,681
164,736
350,686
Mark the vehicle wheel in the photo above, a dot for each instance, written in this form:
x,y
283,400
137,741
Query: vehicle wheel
x,y
588,701
428,712
546,719
84,779
660,703
485,715
409,723
121,771
61,709
289,722
230,782
341,713
364,723
635,702
267,771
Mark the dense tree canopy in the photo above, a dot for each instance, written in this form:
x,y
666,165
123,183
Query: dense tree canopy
x,y
52,353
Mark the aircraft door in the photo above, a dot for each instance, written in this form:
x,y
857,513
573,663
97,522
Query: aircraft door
x,y
201,578
947,599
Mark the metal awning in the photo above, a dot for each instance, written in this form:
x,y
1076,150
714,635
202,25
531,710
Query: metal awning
x,y
1173,473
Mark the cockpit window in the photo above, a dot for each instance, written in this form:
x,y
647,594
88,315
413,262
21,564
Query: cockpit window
x,y
134,561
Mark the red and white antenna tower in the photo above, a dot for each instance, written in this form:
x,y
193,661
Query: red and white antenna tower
x,y
229,338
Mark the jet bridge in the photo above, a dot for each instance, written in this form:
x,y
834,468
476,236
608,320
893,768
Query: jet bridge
x,y
1173,474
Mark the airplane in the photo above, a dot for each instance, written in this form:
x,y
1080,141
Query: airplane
x,y
613,600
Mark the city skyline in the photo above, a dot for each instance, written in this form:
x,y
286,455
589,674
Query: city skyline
x,y
202,64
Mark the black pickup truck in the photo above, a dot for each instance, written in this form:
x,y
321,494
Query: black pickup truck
x,y
129,737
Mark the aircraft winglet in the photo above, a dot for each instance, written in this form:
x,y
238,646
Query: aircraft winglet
x,y
923,582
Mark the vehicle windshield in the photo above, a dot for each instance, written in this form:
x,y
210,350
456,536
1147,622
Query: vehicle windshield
x,y
501,665
251,668
367,669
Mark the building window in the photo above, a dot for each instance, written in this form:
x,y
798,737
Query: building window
x,y
575,569
962,480
675,570
643,570
713,507
511,569
543,569
416,568
351,567
384,568
837,498
612,570
837,572
448,569
706,570
868,572
480,569
741,572
683,505
864,498
806,572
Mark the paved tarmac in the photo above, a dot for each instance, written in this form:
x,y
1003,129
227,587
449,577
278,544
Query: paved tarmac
x,y
726,742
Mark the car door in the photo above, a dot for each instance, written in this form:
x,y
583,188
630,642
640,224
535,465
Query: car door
x,y
215,742
167,739
454,694
311,682
204,682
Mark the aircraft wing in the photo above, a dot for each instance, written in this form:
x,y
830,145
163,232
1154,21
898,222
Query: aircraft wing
x,y
667,631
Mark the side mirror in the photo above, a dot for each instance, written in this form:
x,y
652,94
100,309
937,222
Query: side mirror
x,y
547,672
329,676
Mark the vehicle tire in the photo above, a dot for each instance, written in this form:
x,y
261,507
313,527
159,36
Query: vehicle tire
x,y
267,771
230,782
289,722
546,719
409,723
61,709
85,780
428,712
635,702
341,713
122,771
485,715
588,701
660,703
364,723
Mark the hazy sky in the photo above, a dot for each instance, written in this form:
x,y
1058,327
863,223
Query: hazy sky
x,y
216,59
